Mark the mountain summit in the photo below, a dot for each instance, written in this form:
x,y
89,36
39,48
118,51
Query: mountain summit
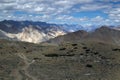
x,y
102,34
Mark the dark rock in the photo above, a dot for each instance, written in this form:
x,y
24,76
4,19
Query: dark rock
x,y
84,47
75,47
116,49
89,66
74,44
62,49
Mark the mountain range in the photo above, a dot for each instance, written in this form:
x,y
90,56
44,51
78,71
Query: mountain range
x,y
29,31
102,34
37,32
34,32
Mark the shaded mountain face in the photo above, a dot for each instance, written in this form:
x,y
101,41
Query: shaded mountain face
x,y
117,28
2,35
36,32
11,26
70,37
106,34
29,31
103,34
76,27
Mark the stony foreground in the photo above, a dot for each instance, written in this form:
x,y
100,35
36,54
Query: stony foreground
x,y
68,61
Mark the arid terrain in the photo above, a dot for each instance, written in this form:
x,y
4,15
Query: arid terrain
x,y
84,60
59,39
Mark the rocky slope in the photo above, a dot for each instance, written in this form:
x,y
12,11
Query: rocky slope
x,y
103,34
30,34
91,60
29,31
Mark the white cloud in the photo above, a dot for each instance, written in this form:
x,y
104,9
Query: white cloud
x,y
97,19
59,10
39,9
44,6
114,14
92,7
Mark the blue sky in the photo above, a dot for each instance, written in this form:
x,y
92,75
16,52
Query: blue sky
x,y
84,12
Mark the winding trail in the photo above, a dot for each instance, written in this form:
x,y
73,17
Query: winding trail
x,y
16,74
25,65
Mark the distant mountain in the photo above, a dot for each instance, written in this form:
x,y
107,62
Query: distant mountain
x,y
11,26
105,34
71,28
102,34
2,35
76,27
117,28
37,32
30,31
70,37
